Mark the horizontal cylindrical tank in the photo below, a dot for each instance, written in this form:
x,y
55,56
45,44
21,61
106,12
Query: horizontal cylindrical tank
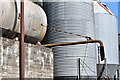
x,y
74,17
106,30
35,18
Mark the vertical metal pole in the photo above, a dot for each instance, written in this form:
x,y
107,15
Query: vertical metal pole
x,y
118,73
21,49
105,67
98,60
79,69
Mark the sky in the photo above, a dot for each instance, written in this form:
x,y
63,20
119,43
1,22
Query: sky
x,y
113,6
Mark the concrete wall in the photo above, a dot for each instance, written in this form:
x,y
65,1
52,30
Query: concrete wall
x,y
38,60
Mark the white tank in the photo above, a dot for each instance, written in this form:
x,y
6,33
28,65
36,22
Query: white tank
x,y
106,30
35,18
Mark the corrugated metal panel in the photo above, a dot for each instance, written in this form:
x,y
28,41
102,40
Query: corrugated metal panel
x,y
35,18
76,18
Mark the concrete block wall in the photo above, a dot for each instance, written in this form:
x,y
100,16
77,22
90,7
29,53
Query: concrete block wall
x,y
38,60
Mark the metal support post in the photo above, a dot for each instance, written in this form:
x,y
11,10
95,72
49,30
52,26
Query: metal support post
x,y
21,48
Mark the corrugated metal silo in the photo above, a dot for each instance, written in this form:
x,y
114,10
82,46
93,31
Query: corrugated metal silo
x,y
75,17
106,30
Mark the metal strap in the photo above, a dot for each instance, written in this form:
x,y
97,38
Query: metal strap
x,y
16,11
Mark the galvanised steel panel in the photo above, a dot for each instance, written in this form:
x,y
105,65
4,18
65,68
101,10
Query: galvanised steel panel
x,y
106,30
75,17
106,27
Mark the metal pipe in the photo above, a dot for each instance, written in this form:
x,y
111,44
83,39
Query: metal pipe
x,y
118,74
83,42
21,48
73,43
79,78
80,42
98,61
105,62
105,8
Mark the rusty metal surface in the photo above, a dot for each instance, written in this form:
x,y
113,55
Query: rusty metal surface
x,y
73,43
35,21
105,8
22,55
